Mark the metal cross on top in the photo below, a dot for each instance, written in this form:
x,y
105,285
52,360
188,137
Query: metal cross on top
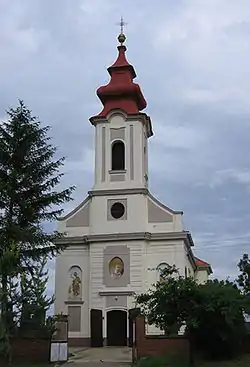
x,y
122,24
122,37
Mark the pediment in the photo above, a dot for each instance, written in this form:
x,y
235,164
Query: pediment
x,y
79,217
158,212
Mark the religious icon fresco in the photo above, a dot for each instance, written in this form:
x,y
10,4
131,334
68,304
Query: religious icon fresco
x,y
116,267
75,287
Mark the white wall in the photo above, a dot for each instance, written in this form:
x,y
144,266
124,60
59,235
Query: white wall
x,y
118,120
170,252
73,231
137,271
174,226
74,256
137,254
135,222
201,276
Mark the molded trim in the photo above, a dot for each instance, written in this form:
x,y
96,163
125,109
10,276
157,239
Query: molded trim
x,y
103,153
147,236
117,112
74,211
114,172
208,269
113,192
203,265
116,293
131,140
163,206
156,214
191,258
74,302
143,117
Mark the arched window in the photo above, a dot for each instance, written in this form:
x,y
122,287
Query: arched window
x,y
75,283
118,156
160,268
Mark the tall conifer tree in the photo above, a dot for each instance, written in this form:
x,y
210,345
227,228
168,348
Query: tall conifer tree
x,y
29,195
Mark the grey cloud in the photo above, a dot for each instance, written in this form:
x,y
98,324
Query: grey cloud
x,y
192,63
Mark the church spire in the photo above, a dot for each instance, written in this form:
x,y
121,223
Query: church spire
x,y
122,37
121,92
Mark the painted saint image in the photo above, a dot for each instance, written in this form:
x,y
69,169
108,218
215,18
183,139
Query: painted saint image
x,y
116,267
75,286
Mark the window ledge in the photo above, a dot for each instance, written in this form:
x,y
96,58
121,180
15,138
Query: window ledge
x,y
112,172
74,302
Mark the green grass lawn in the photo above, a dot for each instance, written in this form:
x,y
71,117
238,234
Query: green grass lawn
x,y
244,361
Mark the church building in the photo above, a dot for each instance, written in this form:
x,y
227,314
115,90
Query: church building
x,y
120,237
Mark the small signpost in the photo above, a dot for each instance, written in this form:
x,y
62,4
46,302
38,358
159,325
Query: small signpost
x,y
59,341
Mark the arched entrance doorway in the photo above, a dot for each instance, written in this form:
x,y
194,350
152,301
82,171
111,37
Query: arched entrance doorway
x,y
117,328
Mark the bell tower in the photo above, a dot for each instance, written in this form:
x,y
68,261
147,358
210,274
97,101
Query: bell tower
x,y
122,131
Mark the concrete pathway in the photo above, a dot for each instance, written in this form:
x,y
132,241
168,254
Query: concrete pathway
x,y
98,364
97,357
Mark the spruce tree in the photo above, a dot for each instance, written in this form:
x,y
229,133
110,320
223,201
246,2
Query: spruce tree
x,y
29,194
34,301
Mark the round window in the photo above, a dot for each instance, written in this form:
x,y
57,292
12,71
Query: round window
x,y
117,210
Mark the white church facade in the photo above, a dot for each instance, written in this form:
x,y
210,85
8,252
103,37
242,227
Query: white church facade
x,y
120,236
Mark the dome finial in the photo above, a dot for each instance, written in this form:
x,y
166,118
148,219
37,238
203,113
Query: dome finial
x,y
121,92
122,37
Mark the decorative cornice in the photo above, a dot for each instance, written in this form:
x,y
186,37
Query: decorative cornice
x,y
136,236
113,192
78,247
117,172
116,293
191,258
163,205
190,239
143,117
207,268
94,120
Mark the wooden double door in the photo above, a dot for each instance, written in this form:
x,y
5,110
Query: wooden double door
x,y
117,328
117,323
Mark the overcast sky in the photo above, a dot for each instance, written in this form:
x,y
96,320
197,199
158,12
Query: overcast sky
x,y
192,59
